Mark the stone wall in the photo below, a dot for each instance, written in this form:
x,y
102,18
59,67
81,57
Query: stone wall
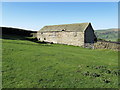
x,y
64,37
76,39
107,45
34,34
89,45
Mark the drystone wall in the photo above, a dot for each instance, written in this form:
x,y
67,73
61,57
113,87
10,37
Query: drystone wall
x,y
34,34
89,45
107,45
64,37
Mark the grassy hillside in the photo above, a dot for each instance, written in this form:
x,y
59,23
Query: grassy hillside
x,y
36,65
108,34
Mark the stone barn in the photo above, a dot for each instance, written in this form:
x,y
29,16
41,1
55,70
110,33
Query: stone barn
x,y
78,34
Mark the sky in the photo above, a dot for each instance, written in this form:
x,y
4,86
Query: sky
x,y
35,15
60,0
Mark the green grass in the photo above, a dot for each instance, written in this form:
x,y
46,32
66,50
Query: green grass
x,y
28,64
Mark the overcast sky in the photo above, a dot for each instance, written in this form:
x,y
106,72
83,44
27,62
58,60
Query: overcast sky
x,y
35,15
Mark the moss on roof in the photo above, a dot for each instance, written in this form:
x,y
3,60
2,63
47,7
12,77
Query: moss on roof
x,y
80,27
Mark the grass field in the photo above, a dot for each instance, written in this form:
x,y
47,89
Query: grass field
x,y
27,64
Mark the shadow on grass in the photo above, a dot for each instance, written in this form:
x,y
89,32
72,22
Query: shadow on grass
x,y
13,37
20,37
33,39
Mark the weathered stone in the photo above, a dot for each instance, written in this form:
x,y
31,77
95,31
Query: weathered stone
x,y
107,45
81,34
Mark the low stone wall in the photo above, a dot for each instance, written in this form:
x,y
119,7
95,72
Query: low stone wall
x,y
89,45
107,45
34,34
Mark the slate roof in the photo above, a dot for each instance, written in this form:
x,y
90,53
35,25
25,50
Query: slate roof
x,y
79,27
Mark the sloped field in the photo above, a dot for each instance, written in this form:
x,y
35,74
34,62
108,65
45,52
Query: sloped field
x,y
28,64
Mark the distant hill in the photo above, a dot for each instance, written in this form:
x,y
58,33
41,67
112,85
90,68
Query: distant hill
x,y
108,34
9,32
16,31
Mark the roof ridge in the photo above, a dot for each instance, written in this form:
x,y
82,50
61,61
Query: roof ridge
x,y
69,24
